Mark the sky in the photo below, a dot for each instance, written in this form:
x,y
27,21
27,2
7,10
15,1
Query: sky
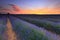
x,y
30,6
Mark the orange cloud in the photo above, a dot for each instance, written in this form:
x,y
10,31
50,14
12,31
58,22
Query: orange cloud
x,y
15,8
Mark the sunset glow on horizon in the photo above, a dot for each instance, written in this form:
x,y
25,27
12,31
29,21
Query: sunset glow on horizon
x,y
30,6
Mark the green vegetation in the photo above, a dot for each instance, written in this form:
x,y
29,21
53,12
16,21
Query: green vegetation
x,y
0,37
1,22
55,28
29,33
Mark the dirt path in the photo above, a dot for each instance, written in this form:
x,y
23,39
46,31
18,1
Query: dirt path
x,y
9,32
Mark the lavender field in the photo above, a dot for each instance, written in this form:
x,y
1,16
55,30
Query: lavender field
x,y
29,27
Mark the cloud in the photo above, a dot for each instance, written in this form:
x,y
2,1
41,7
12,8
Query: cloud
x,y
5,10
14,9
11,9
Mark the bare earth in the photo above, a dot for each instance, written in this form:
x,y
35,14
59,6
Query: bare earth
x,y
9,32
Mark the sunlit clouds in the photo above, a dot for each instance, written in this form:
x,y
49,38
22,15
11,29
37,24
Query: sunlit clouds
x,y
31,6
14,9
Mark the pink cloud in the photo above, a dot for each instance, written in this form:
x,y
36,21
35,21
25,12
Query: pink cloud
x,y
12,9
